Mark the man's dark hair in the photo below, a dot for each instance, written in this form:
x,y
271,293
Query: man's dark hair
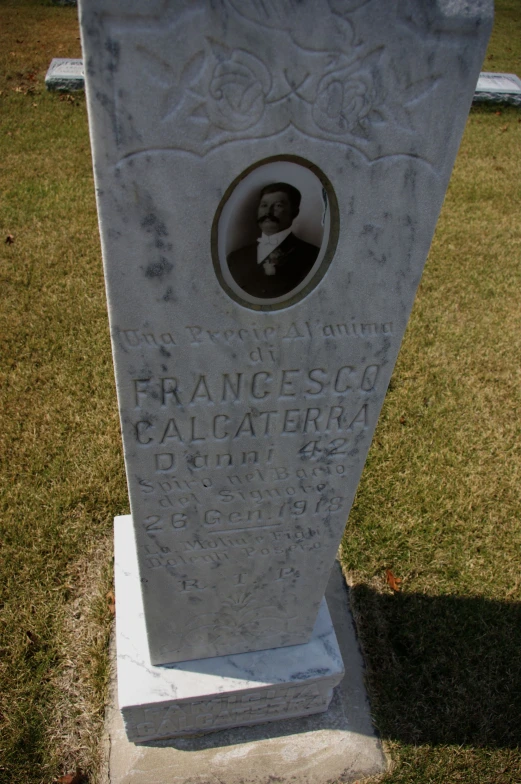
x,y
293,193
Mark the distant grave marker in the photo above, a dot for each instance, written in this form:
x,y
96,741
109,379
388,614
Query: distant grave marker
x,y
65,75
498,88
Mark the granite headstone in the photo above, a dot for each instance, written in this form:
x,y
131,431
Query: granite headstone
x,y
268,178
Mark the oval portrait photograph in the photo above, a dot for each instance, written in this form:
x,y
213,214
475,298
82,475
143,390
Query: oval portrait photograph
x,y
274,233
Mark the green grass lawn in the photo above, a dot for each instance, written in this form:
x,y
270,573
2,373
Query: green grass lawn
x,y
439,501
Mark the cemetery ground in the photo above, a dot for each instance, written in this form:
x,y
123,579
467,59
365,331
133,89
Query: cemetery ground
x,y
432,546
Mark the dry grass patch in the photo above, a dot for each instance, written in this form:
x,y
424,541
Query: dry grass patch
x,y
60,447
81,682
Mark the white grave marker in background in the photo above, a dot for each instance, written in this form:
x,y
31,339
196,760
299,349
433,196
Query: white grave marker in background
x,y
65,75
498,88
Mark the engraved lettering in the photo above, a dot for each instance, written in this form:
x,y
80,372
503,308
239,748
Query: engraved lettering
x,y
228,386
312,414
312,376
212,516
132,337
152,523
341,381
267,414
140,388
369,378
169,391
192,585
165,461
287,571
178,520
292,333
246,427
335,415
291,421
360,418
167,338
193,437
141,432
336,447
171,432
258,385
201,391
219,425
286,385
195,333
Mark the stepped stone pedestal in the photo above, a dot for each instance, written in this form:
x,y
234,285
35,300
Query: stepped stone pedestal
x,y
159,701
65,75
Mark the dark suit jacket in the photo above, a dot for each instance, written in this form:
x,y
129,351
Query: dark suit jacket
x,y
292,261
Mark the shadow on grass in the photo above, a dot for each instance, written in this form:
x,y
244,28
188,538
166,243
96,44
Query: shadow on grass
x,y
442,669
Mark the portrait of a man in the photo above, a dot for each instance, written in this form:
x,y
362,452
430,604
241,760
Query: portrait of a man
x,y
279,260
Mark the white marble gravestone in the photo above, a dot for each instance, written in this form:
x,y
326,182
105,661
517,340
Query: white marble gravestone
x,y
65,75
498,88
250,375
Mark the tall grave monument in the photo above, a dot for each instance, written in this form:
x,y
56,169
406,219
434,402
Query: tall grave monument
x,y
268,177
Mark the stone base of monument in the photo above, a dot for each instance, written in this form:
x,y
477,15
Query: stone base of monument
x,y
159,701
207,718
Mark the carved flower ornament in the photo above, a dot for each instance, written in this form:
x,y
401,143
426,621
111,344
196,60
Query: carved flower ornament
x,y
343,101
238,616
223,94
237,91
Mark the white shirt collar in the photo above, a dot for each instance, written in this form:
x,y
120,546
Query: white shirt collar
x,y
268,243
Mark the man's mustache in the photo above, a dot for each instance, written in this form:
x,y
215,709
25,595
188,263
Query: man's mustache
x,y
269,217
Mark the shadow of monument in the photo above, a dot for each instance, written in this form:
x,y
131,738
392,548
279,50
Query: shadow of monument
x,y
442,669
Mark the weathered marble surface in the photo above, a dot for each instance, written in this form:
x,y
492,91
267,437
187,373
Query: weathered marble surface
x,y
65,75
200,696
246,422
498,88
